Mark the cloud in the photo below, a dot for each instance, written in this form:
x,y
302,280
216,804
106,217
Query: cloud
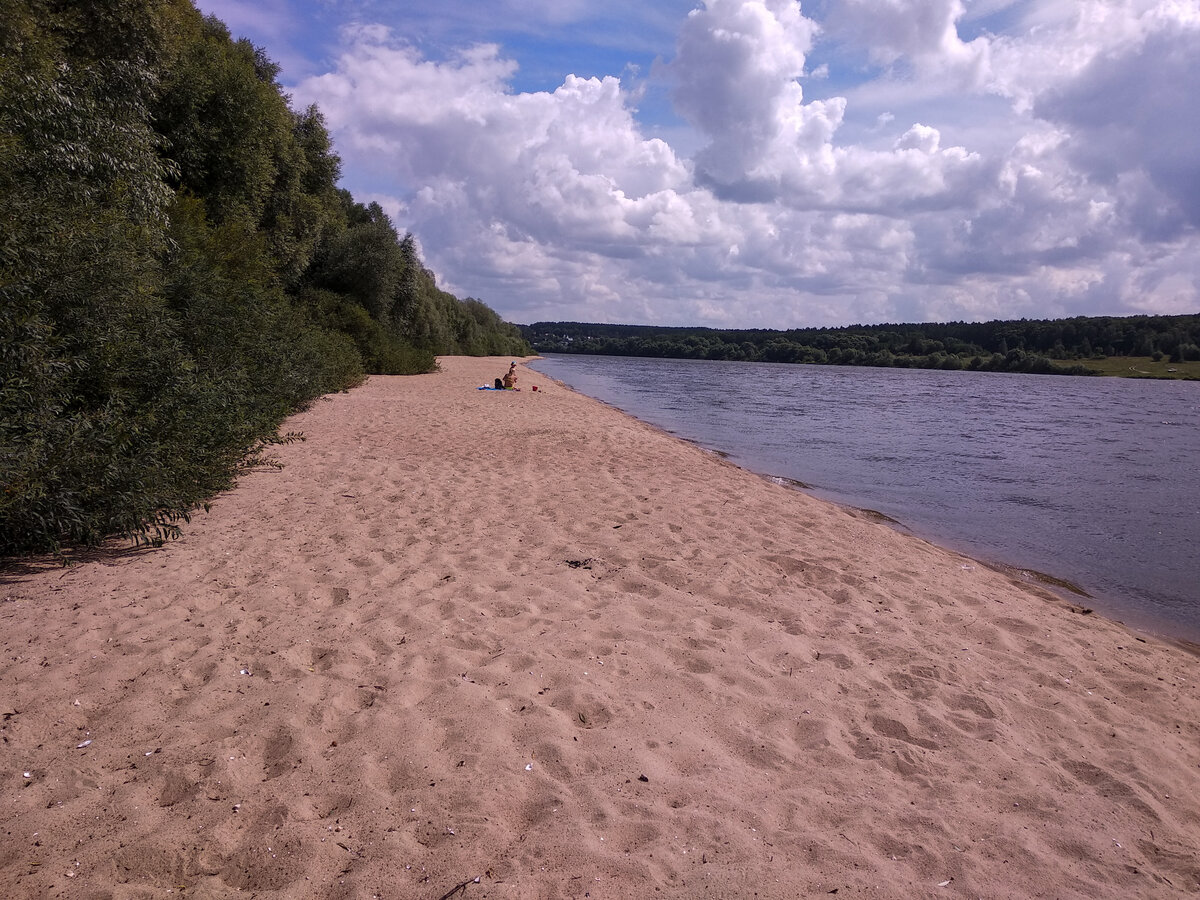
x,y
558,180
1080,197
737,73
922,34
1133,116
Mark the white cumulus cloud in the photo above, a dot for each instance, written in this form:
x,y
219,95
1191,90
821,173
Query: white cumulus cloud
x,y
1080,195
922,34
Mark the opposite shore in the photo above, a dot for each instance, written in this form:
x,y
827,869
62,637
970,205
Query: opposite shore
x,y
523,644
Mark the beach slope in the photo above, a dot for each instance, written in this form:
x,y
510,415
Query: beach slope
x,y
517,644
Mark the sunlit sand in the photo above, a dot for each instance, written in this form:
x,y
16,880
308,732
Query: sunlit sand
x,y
522,645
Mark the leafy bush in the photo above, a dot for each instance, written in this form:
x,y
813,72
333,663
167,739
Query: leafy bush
x,y
178,271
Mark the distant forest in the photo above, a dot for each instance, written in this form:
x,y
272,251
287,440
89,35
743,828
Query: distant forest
x,y
1059,346
178,269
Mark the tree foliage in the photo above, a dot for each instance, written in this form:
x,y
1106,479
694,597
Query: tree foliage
x,y
1059,346
178,269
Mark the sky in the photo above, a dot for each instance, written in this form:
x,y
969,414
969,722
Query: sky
x,y
767,163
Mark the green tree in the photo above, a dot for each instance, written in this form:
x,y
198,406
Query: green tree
x,y
178,270
82,330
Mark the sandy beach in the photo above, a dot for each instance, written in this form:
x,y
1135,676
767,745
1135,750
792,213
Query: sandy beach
x,y
465,643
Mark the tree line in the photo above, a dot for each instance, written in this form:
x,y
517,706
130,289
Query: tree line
x,y
179,270
1058,346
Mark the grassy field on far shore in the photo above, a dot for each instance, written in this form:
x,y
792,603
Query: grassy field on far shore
x,y
1144,367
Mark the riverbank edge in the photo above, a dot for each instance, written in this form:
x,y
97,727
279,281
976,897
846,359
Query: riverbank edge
x,y
1050,587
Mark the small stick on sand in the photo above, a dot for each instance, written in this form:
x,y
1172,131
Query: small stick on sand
x,y
460,889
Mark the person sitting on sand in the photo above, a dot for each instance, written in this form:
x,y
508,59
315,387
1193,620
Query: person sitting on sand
x,y
510,377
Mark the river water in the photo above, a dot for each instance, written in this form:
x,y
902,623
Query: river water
x,y
1091,480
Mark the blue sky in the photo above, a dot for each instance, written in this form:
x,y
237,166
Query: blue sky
x,y
767,163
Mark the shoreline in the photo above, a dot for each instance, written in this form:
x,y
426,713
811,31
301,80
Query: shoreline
x,y
1149,616
1057,590
527,643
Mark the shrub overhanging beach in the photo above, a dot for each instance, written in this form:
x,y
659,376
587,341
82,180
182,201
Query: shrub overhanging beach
x,y
522,645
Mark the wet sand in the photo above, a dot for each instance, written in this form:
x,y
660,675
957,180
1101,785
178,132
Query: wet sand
x,y
520,644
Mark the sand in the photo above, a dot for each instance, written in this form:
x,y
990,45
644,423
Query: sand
x,y
522,645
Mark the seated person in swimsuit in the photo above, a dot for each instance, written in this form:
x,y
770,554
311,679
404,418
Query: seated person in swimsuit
x,y
510,377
